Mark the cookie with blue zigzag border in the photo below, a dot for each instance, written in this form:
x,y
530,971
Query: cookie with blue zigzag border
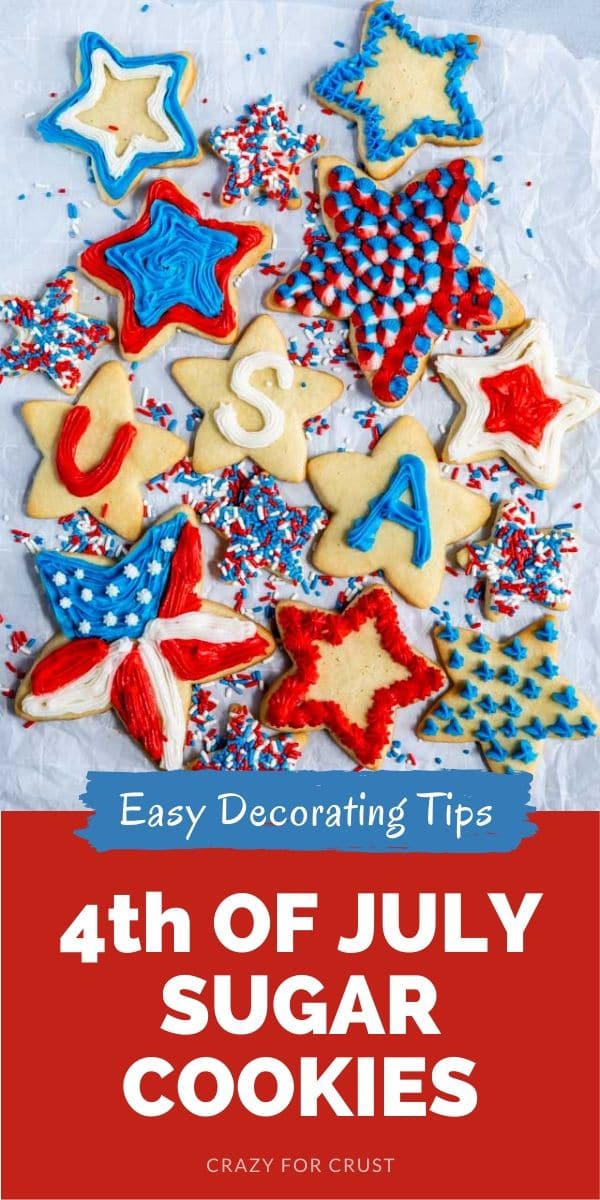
x,y
507,696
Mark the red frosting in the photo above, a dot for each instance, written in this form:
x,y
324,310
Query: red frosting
x,y
135,336
88,483
518,404
185,574
66,663
302,628
132,696
200,660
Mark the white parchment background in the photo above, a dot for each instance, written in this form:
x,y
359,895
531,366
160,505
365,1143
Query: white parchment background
x,y
540,109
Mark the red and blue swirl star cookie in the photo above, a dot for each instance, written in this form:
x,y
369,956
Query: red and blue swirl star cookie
x,y
50,335
263,153
126,115
397,268
401,90
351,672
174,269
95,454
135,636
507,696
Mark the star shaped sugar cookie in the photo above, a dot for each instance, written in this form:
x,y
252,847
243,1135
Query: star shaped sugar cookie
x,y
397,268
96,455
507,696
174,269
520,562
401,90
514,404
126,114
50,335
255,404
393,511
351,672
135,636
263,153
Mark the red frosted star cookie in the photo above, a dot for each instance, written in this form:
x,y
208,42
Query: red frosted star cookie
x,y
351,671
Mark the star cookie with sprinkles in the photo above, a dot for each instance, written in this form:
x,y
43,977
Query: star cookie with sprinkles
x,y
50,335
514,404
393,511
174,269
351,672
507,696
520,562
263,153
247,746
125,114
96,454
397,268
401,90
135,636
255,404
263,532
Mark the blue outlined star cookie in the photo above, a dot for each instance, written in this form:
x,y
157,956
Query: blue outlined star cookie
x,y
507,696
126,114
402,89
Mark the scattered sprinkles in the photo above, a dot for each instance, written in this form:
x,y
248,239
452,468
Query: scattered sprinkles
x,y
247,746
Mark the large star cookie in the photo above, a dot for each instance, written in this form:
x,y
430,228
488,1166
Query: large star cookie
x,y
351,671
255,404
397,268
126,114
263,153
50,335
506,696
393,511
174,269
96,454
402,90
513,404
135,635
520,562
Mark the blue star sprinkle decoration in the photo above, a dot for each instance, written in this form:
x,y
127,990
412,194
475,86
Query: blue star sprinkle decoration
x,y
97,119
402,89
507,696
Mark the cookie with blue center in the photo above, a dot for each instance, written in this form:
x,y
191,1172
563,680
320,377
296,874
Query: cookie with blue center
x,y
126,114
402,89
520,707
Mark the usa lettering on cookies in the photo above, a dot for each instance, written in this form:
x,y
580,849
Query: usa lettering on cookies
x,y
126,114
96,454
393,511
255,404
402,89
174,269
397,268
135,635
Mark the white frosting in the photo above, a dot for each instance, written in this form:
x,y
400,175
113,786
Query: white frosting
x,y
272,415
88,694
200,626
469,440
108,139
168,701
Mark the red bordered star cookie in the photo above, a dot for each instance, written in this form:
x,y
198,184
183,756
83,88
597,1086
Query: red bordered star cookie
x,y
174,269
351,671
96,455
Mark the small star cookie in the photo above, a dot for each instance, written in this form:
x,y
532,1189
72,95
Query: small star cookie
x,y
96,454
351,672
401,90
393,511
255,404
514,404
126,115
507,696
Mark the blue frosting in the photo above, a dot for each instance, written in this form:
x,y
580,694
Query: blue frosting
x,y
335,86
547,632
536,729
567,698
456,660
429,727
525,753
388,506
485,672
447,633
144,160
92,600
453,728
585,727
509,675
531,689
561,727
547,668
487,704
469,690
480,644
511,707
515,649
173,262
